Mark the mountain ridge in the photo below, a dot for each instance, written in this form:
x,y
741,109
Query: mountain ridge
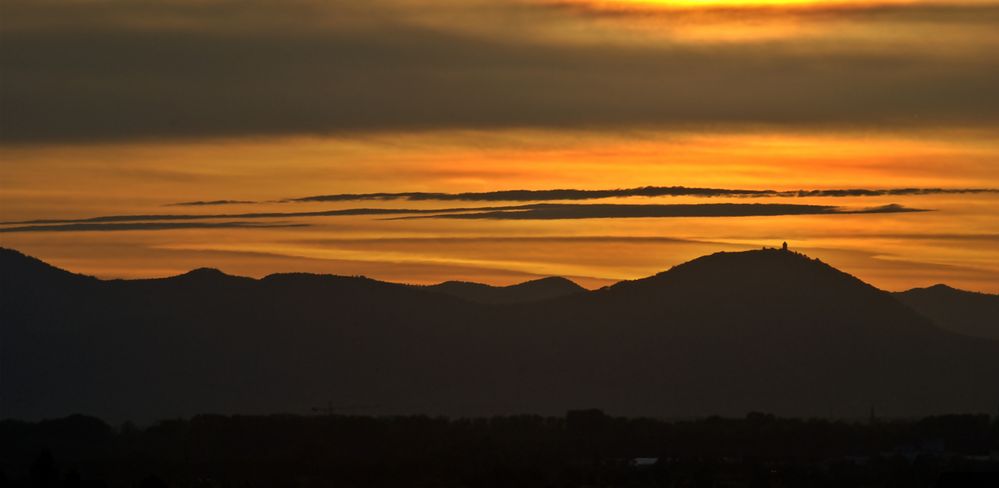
x,y
7,253
534,290
725,333
964,312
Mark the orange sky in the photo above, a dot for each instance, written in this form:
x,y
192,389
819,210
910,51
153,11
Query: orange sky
x,y
956,243
130,107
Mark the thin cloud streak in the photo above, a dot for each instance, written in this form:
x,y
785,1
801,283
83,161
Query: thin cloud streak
x,y
606,211
256,215
647,191
505,239
576,194
132,226
533,211
210,203
935,237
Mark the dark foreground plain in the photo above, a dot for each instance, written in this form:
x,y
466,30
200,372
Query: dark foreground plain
x,y
580,449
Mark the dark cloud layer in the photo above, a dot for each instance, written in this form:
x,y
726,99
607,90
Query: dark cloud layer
x,y
120,226
516,212
606,211
201,203
123,75
645,191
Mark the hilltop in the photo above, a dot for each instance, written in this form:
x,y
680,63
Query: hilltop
x,y
964,312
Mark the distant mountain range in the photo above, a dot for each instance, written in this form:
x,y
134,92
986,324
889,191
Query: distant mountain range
x,y
529,291
964,312
728,333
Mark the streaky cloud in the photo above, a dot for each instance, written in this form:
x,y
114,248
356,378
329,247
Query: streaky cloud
x,y
860,192
645,191
564,211
932,236
250,215
132,226
510,212
504,239
534,195
210,203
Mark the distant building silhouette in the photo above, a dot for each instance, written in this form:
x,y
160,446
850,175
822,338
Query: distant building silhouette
x,y
784,247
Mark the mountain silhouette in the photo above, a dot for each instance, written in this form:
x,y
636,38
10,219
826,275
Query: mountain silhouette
x,y
723,334
964,312
528,291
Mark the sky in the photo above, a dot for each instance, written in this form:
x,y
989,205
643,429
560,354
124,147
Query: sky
x,y
421,141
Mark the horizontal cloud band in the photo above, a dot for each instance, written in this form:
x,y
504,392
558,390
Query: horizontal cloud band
x,y
518,212
645,191
120,226
607,211
176,69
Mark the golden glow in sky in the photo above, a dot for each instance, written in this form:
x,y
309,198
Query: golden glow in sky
x,y
956,243
133,107
753,3
725,3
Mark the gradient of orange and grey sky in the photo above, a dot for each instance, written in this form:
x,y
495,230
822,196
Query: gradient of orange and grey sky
x,y
118,108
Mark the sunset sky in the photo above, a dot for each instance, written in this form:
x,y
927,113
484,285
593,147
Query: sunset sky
x,y
145,139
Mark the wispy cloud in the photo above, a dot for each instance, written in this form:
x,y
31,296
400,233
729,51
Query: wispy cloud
x,y
604,211
525,239
250,215
577,194
932,236
646,191
131,226
510,212
210,203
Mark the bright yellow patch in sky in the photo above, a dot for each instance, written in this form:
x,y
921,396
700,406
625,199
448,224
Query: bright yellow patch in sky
x,y
727,3
753,3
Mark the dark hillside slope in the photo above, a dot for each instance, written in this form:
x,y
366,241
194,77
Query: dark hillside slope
x,y
964,312
775,331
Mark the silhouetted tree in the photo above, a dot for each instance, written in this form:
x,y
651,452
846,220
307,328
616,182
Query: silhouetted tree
x,y
585,447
